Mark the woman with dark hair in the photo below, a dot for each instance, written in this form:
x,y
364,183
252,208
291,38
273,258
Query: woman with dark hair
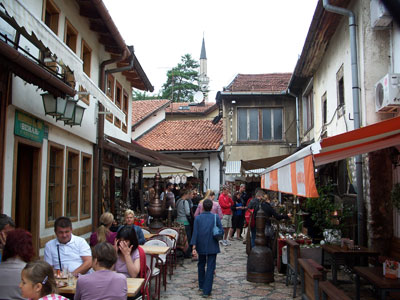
x,y
103,283
237,218
18,250
127,247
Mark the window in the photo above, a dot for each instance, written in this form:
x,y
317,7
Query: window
x,y
118,94
71,36
324,109
110,94
125,106
308,109
71,189
249,120
51,15
117,122
340,86
84,98
86,56
86,183
55,170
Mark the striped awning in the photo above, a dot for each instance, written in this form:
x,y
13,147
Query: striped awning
x,y
233,167
295,174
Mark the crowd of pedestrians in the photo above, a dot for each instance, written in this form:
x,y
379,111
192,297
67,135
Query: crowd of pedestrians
x,y
114,253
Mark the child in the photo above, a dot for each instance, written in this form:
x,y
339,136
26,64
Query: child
x,y
38,282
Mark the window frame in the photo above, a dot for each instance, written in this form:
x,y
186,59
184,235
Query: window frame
x,y
89,185
76,179
49,5
340,90
67,28
86,67
260,125
308,108
110,95
324,109
58,176
125,109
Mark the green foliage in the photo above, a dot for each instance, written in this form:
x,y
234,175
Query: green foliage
x,y
139,95
182,81
395,195
321,210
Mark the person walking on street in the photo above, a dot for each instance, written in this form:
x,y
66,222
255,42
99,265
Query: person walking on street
x,y
237,217
216,209
183,210
225,201
206,247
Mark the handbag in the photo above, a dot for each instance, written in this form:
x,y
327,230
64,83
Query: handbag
x,y
218,233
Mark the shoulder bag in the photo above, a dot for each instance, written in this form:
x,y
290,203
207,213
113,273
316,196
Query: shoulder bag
x,y
218,233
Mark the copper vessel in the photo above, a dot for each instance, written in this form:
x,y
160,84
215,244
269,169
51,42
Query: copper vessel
x,y
156,208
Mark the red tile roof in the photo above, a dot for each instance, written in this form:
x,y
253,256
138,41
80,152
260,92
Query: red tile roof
x,y
144,108
183,135
176,108
273,82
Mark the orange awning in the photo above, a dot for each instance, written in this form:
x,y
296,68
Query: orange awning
x,y
370,138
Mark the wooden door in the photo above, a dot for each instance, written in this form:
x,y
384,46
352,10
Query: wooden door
x,y
27,187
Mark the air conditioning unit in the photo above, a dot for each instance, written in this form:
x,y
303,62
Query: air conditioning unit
x,y
380,16
387,94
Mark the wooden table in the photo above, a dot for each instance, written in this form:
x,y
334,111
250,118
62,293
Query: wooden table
x,y
134,286
148,236
338,253
374,275
155,250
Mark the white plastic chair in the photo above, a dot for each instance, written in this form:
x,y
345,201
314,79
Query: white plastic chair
x,y
146,288
157,260
145,231
172,232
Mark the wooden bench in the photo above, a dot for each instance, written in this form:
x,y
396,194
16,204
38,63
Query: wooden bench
x,y
330,292
292,267
310,279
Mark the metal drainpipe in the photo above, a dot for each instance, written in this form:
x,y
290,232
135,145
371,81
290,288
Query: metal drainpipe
x,y
221,170
297,118
117,70
356,112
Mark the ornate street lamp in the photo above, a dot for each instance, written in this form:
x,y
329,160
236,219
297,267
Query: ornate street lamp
x,y
77,116
54,107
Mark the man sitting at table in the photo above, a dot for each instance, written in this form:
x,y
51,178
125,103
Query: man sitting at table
x,y
103,283
68,250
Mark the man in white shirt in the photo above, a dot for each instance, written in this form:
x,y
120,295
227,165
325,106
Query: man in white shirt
x,y
68,250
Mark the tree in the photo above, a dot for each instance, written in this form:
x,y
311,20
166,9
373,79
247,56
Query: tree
x,y
139,95
182,81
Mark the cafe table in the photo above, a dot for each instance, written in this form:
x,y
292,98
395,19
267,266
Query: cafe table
x,y
155,250
148,236
134,286
374,275
339,254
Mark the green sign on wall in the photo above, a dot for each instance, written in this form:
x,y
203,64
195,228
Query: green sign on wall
x,y
28,127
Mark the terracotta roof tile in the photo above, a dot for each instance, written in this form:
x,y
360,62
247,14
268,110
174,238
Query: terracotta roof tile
x,y
273,82
185,108
143,108
183,135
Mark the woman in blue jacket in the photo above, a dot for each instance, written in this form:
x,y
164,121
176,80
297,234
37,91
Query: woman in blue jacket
x,y
205,246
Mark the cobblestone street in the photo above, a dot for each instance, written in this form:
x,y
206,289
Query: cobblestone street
x,y
230,281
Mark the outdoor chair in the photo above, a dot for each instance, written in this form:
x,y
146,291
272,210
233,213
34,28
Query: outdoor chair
x,y
146,288
145,231
292,267
158,264
330,292
172,254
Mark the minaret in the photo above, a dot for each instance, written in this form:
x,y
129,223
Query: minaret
x,y
203,79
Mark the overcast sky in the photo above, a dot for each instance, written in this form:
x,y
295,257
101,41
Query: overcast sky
x,y
247,37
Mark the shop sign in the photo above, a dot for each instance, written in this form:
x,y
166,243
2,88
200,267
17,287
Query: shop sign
x,y
28,127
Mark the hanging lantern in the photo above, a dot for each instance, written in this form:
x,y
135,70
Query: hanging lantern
x,y
77,116
54,107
